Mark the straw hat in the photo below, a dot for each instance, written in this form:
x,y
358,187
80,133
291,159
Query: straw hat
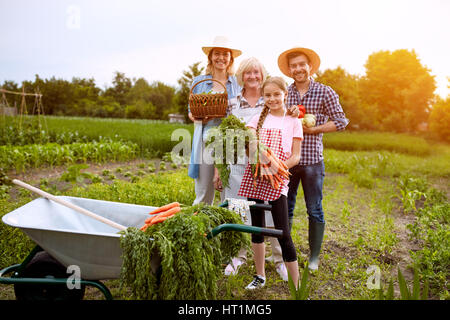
x,y
222,42
314,60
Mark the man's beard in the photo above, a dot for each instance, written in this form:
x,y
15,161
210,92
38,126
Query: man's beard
x,y
304,77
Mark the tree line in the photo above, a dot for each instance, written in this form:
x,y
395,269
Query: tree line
x,y
126,98
395,94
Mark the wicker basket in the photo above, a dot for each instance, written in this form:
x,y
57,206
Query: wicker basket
x,y
212,105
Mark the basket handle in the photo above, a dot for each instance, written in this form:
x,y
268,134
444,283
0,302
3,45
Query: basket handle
x,y
209,79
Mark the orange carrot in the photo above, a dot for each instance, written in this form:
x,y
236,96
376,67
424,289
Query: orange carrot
x,y
279,166
285,167
158,220
163,214
264,173
283,174
256,170
149,220
273,168
169,212
276,184
281,163
275,162
271,180
144,227
165,207
278,178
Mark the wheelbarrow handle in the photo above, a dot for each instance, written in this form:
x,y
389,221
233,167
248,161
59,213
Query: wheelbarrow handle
x,y
88,213
244,228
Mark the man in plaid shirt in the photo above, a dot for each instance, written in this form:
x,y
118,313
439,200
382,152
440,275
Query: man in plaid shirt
x,y
323,102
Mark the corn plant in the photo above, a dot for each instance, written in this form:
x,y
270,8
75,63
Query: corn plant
x,y
302,291
74,174
406,294
389,295
411,190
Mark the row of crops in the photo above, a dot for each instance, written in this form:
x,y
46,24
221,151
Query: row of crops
x,y
32,142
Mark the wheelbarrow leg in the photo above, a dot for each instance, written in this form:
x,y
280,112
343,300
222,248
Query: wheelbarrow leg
x,y
18,269
28,258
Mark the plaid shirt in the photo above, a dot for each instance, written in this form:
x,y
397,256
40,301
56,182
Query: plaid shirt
x,y
243,103
323,102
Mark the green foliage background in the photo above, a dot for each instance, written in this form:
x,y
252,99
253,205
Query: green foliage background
x,y
396,94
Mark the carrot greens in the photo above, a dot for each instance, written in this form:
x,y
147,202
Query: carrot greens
x,y
190,264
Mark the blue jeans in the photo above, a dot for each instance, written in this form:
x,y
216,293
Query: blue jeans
x,y
312,177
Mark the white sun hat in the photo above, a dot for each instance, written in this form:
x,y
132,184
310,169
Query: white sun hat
x,y
222,42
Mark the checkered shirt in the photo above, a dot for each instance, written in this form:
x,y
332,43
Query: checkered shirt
x,y
323,102
243,103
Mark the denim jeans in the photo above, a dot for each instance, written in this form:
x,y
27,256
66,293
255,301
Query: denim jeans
x,y
312,177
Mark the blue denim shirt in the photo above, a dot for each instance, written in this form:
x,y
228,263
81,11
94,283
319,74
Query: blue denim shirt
x,y
200,131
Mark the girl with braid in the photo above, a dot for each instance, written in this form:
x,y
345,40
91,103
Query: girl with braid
x,y
283,135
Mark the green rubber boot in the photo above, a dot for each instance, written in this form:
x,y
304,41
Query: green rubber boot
x,y
315,237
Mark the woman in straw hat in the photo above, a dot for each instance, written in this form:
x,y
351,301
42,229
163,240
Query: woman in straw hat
x,y
221,57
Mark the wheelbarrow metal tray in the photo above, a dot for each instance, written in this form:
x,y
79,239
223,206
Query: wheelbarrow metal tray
x,y
76,239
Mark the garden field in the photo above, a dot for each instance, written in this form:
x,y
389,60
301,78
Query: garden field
x,y
385,201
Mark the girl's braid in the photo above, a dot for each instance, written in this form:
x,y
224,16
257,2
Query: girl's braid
x,y
262,117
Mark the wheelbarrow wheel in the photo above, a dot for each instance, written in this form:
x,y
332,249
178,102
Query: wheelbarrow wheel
x,y
44,266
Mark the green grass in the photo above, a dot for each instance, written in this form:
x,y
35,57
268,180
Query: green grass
x,y
14,244
151,190
376,141
385,163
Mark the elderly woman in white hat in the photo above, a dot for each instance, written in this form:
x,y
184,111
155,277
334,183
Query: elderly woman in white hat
x,y
221,57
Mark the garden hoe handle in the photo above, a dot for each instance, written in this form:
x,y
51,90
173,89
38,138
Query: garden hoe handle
x,y
69,205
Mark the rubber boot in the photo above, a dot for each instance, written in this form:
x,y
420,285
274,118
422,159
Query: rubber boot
x,y
291,221
315,237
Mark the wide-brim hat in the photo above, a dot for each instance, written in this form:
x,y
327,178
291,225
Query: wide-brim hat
x,y
314,60
222,42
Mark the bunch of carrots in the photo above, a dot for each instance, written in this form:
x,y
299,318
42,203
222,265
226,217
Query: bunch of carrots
x,y
161,214
270,168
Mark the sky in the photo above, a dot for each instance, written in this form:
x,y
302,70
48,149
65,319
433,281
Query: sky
x,y
158,39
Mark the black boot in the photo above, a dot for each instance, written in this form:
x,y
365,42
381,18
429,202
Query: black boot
x,y
315,237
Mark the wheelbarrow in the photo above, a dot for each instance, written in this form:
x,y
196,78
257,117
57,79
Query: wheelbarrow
x,y
88,243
